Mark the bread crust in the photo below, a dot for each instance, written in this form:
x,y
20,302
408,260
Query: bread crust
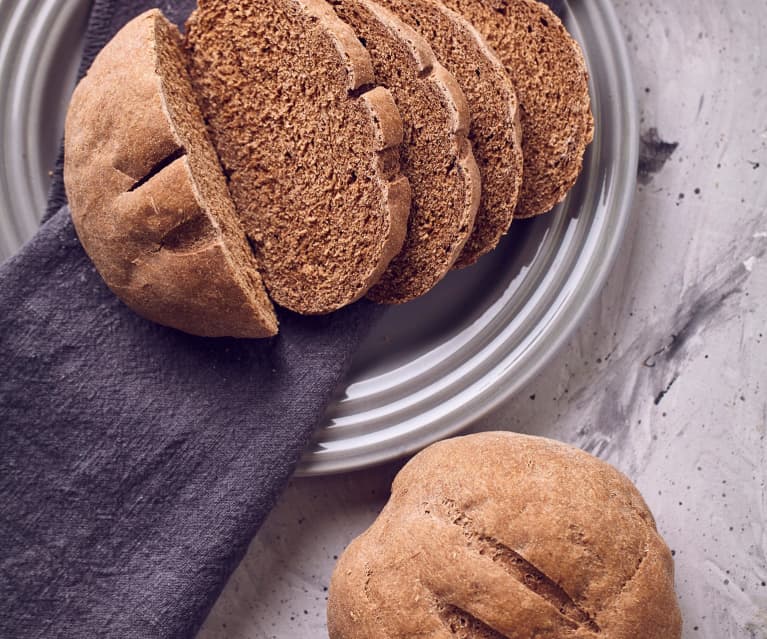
x,y
550,76
495,131
498,535
352,53
136,204
436,157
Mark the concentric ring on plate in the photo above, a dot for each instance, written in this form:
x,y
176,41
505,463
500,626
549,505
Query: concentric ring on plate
x,y
429,368
434,366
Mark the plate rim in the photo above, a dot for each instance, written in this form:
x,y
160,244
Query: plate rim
x,y
500,389
313,464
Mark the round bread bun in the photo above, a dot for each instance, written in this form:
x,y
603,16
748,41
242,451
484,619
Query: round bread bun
x,y
498,535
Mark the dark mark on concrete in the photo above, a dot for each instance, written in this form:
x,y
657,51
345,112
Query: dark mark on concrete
x,y
627,385
653,154
649,361
659,397
755,165
703,308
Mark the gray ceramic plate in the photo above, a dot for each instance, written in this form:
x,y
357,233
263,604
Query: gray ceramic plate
x,y
432,366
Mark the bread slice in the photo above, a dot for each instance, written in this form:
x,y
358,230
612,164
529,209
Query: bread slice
x,y
495,131
549,73
436,156
309,145
148,198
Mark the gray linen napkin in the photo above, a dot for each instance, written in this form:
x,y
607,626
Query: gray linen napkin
x,y
137,462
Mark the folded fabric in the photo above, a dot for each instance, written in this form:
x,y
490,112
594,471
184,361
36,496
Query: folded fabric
x,y
137,462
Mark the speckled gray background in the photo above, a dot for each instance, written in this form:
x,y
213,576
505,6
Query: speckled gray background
x,y
667,376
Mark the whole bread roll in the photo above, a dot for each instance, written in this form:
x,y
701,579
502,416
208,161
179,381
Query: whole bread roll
x,y
500,535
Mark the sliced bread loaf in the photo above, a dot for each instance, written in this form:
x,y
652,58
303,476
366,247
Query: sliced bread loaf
x,y
436,156
549,74
309,146
495,132
147,195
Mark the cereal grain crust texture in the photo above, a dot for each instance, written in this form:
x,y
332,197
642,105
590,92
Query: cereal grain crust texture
x,y
505,536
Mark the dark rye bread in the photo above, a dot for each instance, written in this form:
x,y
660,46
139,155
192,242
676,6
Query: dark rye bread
x,y
504,536
436,156
309,147
495,131
549,74
148,199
